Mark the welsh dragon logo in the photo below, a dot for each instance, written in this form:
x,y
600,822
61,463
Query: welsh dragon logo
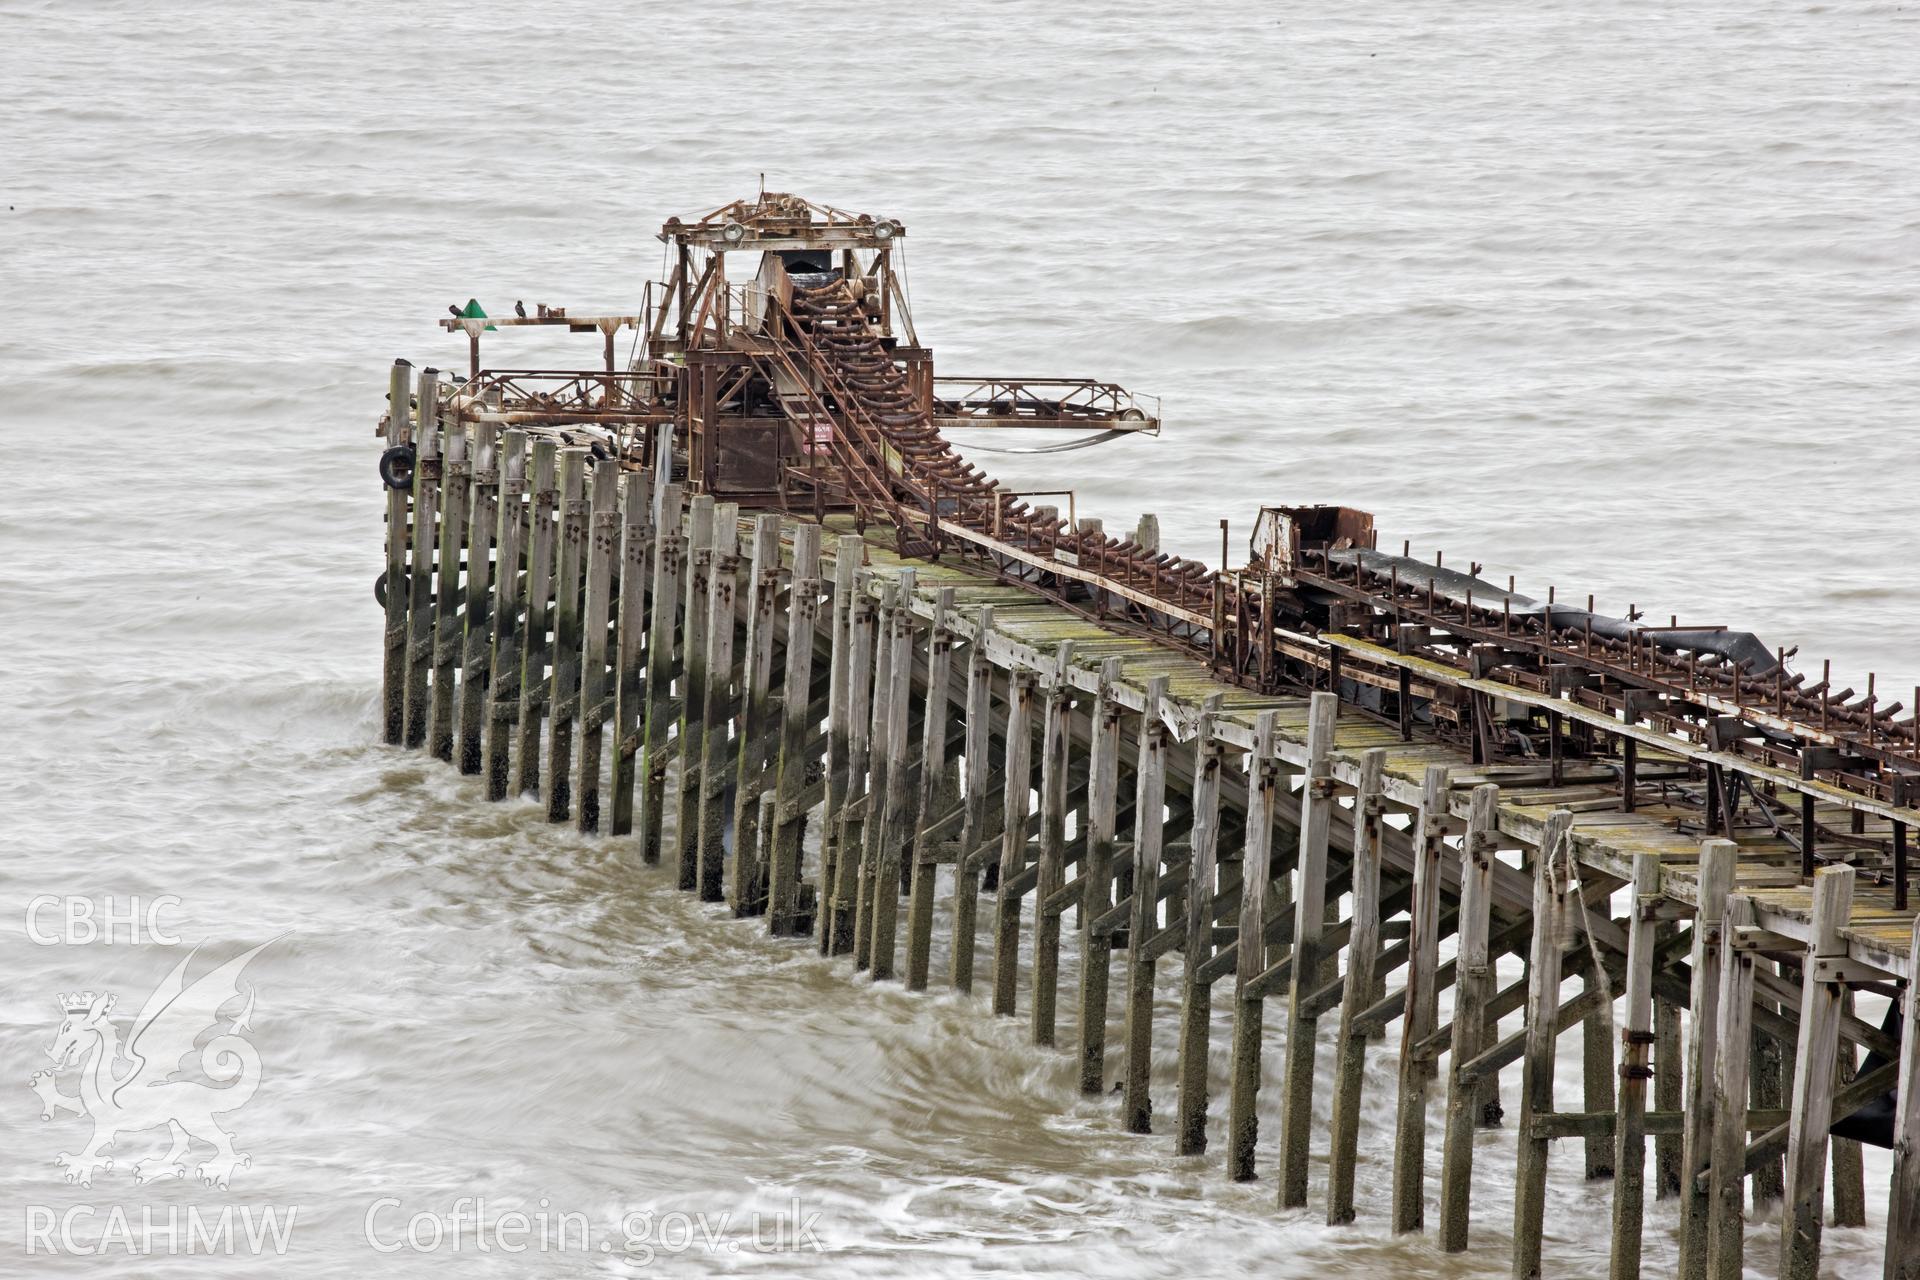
x,y
126,1089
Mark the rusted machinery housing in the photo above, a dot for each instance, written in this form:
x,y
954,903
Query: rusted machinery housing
x,y
804,387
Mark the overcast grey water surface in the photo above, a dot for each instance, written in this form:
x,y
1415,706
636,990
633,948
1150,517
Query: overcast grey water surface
x,y
1620,298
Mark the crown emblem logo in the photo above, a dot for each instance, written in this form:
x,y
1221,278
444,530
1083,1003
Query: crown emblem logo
x,y
174,1021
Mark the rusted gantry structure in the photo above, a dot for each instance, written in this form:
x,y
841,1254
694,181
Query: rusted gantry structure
x,y
739,601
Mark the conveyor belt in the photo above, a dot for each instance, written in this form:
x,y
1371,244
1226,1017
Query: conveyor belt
x,y
898,467
836,337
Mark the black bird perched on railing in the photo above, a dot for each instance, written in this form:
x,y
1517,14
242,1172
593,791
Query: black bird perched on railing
x,y
520,309
454,310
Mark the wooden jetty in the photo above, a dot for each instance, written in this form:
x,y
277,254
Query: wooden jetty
x,y
738,606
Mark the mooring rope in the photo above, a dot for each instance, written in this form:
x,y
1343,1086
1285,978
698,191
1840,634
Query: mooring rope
x,y
1562,862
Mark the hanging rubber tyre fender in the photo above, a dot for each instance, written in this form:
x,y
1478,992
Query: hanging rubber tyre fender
x,y
380,588
396,467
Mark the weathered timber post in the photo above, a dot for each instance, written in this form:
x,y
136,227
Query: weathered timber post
x,y
1552,894
927,806
896,810
1597,1068
835,927
503,711
1310,912
1815,1061
477,644
448,622
803,615
603,544
1196,1004
1726,1182
709,792
1849,1169
697,609
861,642
1149,816
976,817
1073,895
563,702
749,884
663,662
869,809
1055,739
1491,1111
1767,1092
1363,949
426,503
1096,895
534,648
1146,533
1422,1005
1715,882
1013,844
1264,782
1668,1082
636,554
1630,1122
765,823
1903,1202
1472,1028
393,669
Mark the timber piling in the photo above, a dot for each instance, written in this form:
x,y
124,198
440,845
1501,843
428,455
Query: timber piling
x,y
1403,810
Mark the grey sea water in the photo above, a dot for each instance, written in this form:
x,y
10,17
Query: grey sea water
x,y
1620,298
